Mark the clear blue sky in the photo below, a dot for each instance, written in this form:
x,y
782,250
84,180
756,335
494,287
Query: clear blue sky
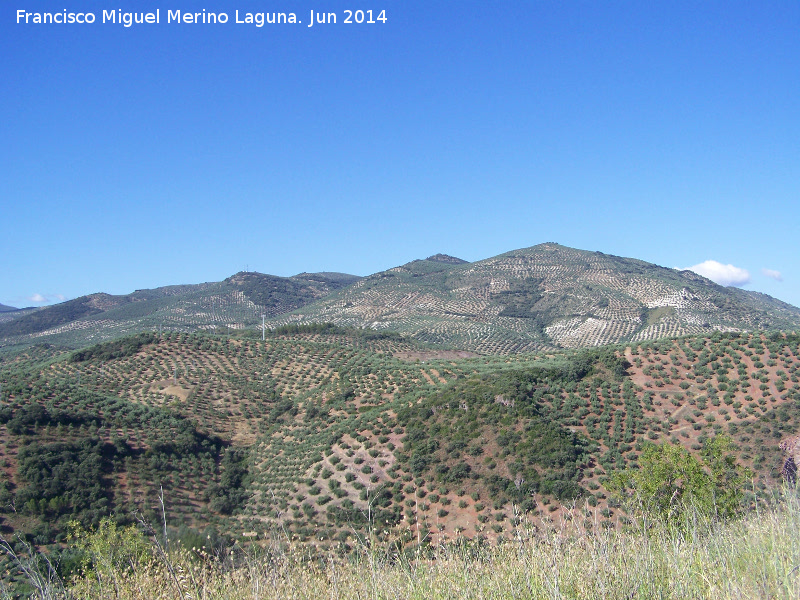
x,y
180,153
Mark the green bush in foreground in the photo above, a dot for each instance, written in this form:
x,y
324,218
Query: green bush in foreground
x,y
753,557
670,481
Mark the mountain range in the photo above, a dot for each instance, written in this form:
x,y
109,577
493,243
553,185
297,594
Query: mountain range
x,y
439,398
544,297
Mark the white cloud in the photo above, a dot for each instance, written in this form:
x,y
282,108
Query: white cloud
x,y
722,274
46,298
773,274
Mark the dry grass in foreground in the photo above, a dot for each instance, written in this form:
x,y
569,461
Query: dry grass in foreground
x,y
755,557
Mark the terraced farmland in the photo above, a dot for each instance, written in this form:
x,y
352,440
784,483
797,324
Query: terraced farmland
x,y
234,304
544,297
325,432
535,299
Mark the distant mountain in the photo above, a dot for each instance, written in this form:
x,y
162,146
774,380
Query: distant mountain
x,y
276,295
332,281
235,303
57,314
4,308
446,258
544,296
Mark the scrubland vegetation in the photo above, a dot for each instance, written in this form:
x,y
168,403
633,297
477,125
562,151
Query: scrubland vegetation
x,y
695,557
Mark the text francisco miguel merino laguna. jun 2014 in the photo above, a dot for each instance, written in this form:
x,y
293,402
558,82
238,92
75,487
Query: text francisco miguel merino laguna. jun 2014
x,y
129,19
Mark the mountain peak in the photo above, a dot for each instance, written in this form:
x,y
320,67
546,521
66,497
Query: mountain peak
x,y
446,258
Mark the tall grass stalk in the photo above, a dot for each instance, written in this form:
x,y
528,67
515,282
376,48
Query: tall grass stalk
x,y
754,557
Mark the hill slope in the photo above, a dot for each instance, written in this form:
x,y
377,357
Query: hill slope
x,y
311,431
235,303
543,297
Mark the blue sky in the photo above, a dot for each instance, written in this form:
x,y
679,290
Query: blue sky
x,y
180,153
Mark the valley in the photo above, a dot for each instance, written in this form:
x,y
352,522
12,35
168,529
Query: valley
x,y
332,431
437,402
